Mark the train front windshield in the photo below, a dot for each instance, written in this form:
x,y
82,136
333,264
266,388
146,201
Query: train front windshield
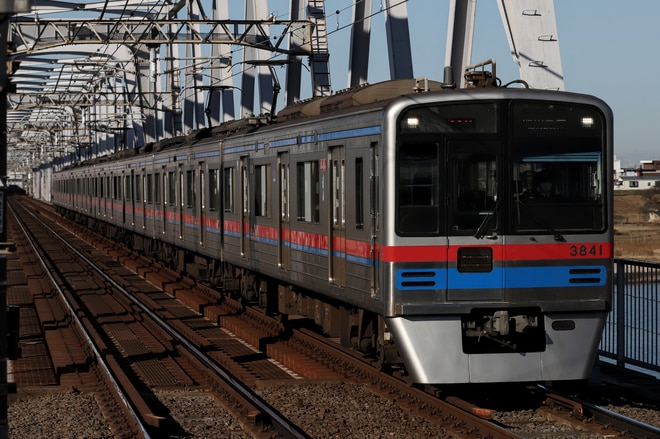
x,y
511,167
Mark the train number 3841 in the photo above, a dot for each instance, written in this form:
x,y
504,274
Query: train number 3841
x,y
586,250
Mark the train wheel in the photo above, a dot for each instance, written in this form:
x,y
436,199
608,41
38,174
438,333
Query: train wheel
x,y
249,286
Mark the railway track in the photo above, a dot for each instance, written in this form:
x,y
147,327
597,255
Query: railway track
x,y
454,415
582,410
79,348
88,311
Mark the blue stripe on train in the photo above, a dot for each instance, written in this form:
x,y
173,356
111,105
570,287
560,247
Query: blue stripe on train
x,y
514,277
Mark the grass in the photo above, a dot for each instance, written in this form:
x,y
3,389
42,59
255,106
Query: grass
x,y
634,236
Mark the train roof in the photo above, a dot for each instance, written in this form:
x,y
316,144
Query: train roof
x,y
360,95
359,98
366,96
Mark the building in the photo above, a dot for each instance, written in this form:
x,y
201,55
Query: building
x,y
646,176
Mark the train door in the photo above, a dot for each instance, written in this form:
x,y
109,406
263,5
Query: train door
x,y
154,202
283,243
131,189
181,200
201,211
112,195
104,196
124,197
163,177
149,211
473,217
140,186
92,196
373,213
337,235
108,196
245,207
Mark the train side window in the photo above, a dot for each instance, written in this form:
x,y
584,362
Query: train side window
x,y
214,191
308,191
116,187
262,190
127,188
171,188
284,191
138,188
190,189
202,185
229,190
150,188
181,191
156,188
359,193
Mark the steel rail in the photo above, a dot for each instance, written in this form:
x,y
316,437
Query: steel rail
x,y
72,313
582,408
281,424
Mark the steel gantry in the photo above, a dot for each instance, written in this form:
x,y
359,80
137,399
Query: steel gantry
x,y
120,74
117,74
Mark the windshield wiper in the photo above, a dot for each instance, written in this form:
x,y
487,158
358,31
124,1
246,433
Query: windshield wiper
x,y
481,230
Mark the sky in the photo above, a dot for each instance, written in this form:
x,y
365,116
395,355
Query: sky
x,y
609,48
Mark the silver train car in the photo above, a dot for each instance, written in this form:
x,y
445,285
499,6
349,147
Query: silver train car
x,y
465,235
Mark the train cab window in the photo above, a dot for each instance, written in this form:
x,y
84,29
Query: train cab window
x,y
191,194
262,190
473,183
228,187
308,191
418,190
559,174
557,191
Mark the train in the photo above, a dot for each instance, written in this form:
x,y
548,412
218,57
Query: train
x,y
460,235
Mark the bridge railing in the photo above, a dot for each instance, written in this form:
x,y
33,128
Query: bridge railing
x,y
632,332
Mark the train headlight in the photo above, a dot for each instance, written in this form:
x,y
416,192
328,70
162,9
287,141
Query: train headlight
x,y
412,122
587,122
